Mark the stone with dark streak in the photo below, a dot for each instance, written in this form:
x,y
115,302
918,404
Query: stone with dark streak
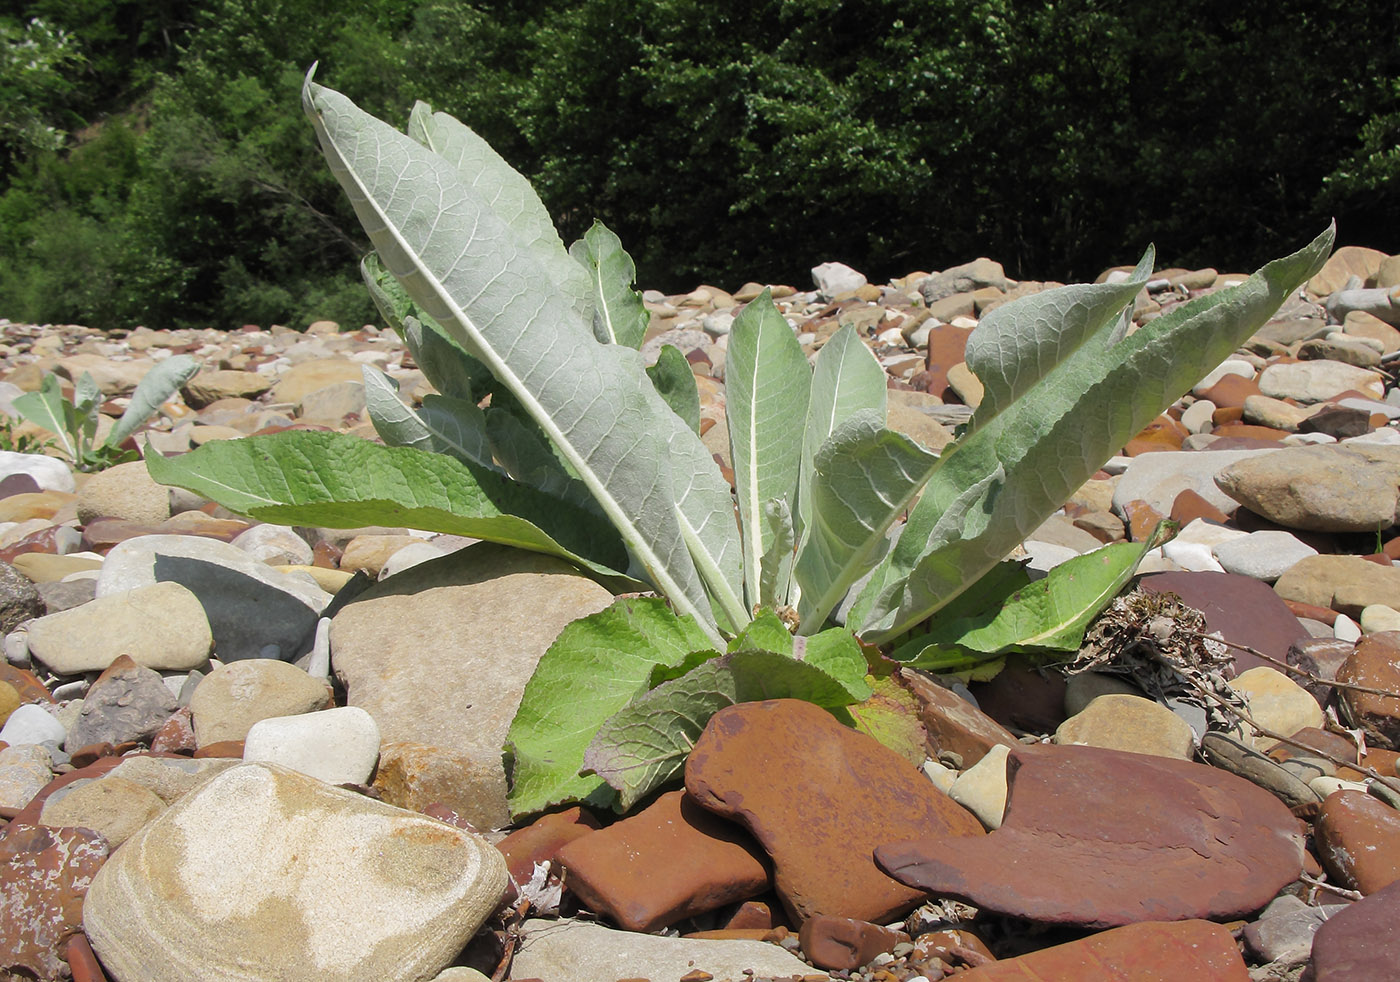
x,y
1101,838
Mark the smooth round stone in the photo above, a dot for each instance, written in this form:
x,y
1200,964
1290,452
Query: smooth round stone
x,y
1131,723
1317,381
1230,366
9,701
25,769
31,724
1264,555
162,627
1379,617
1197,417
276,545
113,807
1084,688
230,699
49,473
1276,702
262,873
330,580
43,567
338,746
409,556
1324,786
981,789
1195,557
1308,769
125,491
1346,629
1239,758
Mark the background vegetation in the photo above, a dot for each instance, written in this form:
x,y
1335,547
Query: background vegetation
x,y
155,167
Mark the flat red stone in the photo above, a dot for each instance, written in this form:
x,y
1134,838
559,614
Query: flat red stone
x,y
1358,841
1102,838
819,797
44,876
670,861
1149,952
542,839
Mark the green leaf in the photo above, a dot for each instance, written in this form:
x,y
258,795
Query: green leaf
x,y
86,395
767,632
596,666
442,360
619,316
846,379
652,477
775,565
48,409
675,383
865,477
339,481
891,715
1065,391
837,653
451,426
528,459
1050,613
156,386
644,745
766,386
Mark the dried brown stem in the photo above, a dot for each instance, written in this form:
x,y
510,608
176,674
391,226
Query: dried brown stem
x,y
1295,670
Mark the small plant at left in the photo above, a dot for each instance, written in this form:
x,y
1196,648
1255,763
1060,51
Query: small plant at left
x,y
74,424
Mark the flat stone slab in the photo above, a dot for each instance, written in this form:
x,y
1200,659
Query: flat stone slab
x,y
1102,838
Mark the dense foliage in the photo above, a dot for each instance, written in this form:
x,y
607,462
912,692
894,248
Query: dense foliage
x,y
153,168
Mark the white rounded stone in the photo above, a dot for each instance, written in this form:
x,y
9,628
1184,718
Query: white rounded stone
x,y
31,724
338,746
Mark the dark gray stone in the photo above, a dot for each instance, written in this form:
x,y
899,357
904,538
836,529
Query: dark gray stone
x,y
19,599
127,702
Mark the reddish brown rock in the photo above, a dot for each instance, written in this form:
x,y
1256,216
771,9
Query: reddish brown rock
x,y
1326,615
952,947
221,748
90,754
1190,505
954,724
947,346
669,861
1244,610
1231,392
1023,697
44,875
1142,519
26,683
1360,943
1249,431
1320,657
1102,838
752,915
843,943
1153,951
1374,664
1163,433
1358,840
541,840
82,962
176,734
819,797
44,540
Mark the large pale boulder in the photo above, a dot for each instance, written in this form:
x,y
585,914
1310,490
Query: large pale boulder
x,y
439,654
262,873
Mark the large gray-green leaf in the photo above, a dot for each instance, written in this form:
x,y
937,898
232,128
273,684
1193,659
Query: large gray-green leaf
x,y
846,378
865,477
596,666
1050,613
644,745
508,194
766,385
529,460
442,360
675,383
1091,390
339,481
46,408
619,316
452,426
652,477
156,386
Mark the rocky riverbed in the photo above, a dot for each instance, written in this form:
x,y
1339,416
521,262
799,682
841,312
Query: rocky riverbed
x,y
234,750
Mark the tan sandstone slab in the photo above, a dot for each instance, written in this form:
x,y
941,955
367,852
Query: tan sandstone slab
x,y
263,873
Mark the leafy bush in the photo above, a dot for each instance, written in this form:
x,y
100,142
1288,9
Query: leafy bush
x,y
581,454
